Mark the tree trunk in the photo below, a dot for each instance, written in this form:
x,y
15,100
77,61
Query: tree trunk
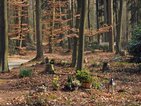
x,y
29,38
97,21
89,22
119,29
110,22
39,50
52,28
74,52
139,11
81,36
105,16
3,36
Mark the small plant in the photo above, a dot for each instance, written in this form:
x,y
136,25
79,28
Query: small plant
x,y
76,83
55,83
83,76
36,99
72,84
25,72
97,85
68,85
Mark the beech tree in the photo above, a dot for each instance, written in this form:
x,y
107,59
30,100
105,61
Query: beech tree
x,y
81,36
75,24
39,50
110,22
3,37
119,26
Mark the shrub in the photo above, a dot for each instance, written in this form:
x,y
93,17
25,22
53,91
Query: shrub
x,y
83,76
25,72
134,46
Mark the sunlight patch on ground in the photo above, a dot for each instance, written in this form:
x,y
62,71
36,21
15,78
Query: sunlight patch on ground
x,y
13,63
2,81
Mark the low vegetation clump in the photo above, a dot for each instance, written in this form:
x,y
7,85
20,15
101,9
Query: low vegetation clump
x,y
55,83
96,64
35,99
72,84
25,73
84,76
96,83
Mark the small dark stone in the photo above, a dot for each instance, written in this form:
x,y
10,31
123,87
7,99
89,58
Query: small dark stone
x,y
121,90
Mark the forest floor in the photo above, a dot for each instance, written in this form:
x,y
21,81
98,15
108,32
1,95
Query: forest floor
x,y
14,90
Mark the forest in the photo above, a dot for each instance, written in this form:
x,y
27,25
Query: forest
x,y
70,52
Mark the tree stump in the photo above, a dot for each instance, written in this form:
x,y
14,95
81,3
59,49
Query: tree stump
x,y
123,53
106,67
49,66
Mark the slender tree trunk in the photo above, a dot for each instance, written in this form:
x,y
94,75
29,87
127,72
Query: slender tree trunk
x,y
81,36
34,20
39,54
139,11
110,22
105,16
3,36
119,30
97,21
69,44
52,28
20,22
74,52
105,11
29,38
89,22
127,23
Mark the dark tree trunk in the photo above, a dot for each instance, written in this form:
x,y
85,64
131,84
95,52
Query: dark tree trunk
x,y
110,22
74,52
3,36
39,54
89,22
81,36
52,29
97,21
119,26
